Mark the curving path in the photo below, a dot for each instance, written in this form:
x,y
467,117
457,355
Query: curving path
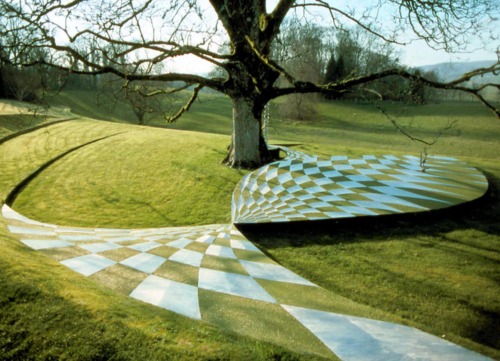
x,y
214,274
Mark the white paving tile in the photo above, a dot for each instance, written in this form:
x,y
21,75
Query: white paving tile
x,y
79,237
205,239
99,247
121,239
235,232
220,251
45,244
170,295
88,264
224,235
66,230
186,256
32,231
144,247
413,343
402,193
359,339
375,205
241,244
144,262
357,210
179,243
273,272
113,231
233,284
157,238
388,199
9,213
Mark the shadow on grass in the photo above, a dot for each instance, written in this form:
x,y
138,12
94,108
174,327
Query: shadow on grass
x,y
38,323
437,268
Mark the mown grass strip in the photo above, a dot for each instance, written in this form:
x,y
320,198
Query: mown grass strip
x,y
147,177
33,129
11,197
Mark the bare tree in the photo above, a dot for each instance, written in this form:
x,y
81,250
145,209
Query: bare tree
x,y
19,83
357,52
145,32
301,49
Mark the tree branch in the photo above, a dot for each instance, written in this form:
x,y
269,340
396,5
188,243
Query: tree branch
x,y
342,86
400,129
186,107
332,10
275,19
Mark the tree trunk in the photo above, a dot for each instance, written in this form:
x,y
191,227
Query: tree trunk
x,y
248,149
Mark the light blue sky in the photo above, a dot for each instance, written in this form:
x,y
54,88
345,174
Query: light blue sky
x,y
418,53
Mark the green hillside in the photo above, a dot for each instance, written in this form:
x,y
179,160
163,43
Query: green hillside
x,y
436,271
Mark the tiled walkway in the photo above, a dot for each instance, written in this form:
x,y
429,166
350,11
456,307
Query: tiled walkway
x,y
214,274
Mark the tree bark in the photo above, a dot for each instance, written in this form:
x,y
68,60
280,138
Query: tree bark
x,y
248,149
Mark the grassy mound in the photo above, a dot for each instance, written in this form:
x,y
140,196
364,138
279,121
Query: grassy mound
x,y
49,312
439,271
142,177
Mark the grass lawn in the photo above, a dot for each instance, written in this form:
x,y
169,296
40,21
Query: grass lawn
x,y
142,177
13,123
438,271
49,312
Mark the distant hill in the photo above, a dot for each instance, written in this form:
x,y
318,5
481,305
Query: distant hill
x,y
453,70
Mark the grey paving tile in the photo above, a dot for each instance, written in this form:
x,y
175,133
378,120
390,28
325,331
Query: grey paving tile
x,y
45,244
170,295
99,247
144,262
88,264
273,272
188,257
233,284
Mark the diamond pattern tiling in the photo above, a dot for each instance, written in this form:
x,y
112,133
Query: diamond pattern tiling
x,y
174,268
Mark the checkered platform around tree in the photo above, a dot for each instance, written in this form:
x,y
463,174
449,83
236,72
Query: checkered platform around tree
x,y
304,187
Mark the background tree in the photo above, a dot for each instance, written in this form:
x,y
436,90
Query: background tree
x,y
334,72
143,105
146,99
21,84
301,49
149,32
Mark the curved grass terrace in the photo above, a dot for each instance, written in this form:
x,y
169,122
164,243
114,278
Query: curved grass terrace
x,y
436,274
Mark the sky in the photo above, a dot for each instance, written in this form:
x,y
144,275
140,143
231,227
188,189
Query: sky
x,y
416,54
419,54
413,55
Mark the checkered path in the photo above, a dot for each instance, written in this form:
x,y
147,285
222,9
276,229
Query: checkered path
x,y
214,274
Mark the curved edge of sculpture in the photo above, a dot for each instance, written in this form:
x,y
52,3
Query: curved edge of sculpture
x,y
230,270
305,187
